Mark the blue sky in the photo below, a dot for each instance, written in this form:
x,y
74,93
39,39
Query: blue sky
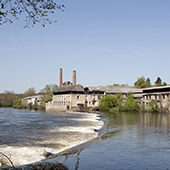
x,y
106,42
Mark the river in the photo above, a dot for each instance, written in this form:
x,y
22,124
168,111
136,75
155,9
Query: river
x,y
28,136
131,141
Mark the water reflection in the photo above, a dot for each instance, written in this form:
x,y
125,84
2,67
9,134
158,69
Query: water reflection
x,y
143,122
132,141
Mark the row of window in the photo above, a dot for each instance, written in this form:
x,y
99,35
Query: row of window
x,y
156,97
62,103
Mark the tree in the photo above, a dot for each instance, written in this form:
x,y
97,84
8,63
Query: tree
x,y
154,106
148,83
36,11
140,83
164,84
130,103
115,84
30,92
48,90
7,98
158,82
17,103
111,101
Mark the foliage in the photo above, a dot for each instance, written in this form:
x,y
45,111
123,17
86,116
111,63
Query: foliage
x,y
47,91
130,103
158,82
142,83
142,108
30,106
7,98
148,82
17,103
164,84
115,84
49,88
30,92
154,106
36,11
110,101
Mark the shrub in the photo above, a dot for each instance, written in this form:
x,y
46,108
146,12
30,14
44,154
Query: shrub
x,y
30,106
131,104
154,106
110,101
17,103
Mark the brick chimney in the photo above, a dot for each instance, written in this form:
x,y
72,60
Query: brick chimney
x,y
60,77
74,77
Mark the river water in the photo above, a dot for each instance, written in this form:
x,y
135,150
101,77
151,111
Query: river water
x,y
132,141
28,136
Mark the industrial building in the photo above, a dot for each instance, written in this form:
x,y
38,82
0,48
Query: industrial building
x,y
70,96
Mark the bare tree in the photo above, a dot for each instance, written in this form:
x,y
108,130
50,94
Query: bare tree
x,y
36,11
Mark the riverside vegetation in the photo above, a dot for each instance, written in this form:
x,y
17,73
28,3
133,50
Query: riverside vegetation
x,y
117,102
10,99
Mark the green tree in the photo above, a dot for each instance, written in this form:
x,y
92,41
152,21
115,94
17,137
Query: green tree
x,y
140,83
111,101
154,106
36,11
164,84
47,91
158,82
7,98
30,92
115,84
17,103
130,103
148,82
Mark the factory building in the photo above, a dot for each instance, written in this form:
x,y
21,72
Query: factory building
x,y
70,96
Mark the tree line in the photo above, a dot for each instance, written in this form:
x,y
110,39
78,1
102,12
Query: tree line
x,y
142,82
11,99
117,102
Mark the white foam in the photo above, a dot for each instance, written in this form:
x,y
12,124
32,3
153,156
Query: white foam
x,y
20,155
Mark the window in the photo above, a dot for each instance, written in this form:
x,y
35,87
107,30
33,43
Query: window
x,y
163,96
78,97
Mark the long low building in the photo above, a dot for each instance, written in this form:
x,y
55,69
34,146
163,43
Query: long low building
x,y
76,96
161,94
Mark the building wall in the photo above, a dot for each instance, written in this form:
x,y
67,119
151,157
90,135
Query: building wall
x,y
162,98
63,102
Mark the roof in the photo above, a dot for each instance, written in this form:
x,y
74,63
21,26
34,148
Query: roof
x,y
31,97
157,87
116,89
70,88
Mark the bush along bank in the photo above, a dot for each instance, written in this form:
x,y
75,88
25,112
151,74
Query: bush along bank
x,y
23,104
117,102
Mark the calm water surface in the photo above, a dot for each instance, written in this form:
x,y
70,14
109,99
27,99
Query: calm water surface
x,y
132,142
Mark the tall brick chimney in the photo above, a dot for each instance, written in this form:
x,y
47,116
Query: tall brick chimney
x,y
60,77
74,77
